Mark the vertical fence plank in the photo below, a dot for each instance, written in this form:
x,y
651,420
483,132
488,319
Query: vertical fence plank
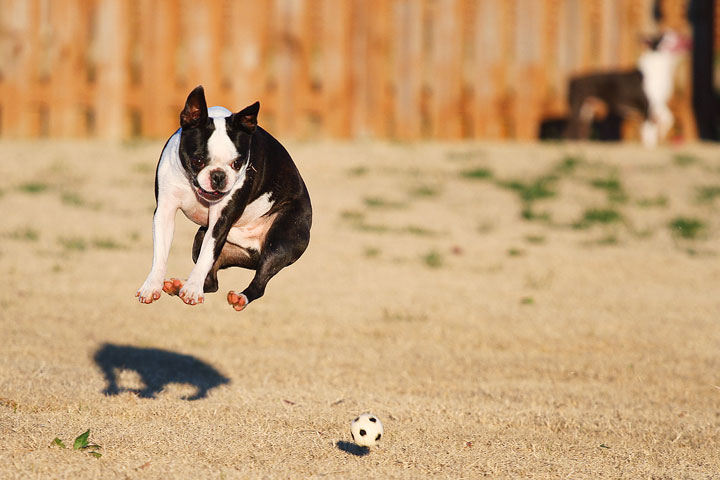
x,y
158,41
246,55
110,54
336,48
505,94
291,66
407,71
19,20
203,27
530,77
555,69
445,79
359,19
481,58
379,106
610,32
65,76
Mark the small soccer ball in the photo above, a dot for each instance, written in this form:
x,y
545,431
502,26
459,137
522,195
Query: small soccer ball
x,y
366,430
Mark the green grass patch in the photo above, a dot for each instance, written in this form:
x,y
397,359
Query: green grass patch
x,y
25,234
527,301
419,231
529,213
568,165
33,187
352,215
593,216
358,171
535,239
650,202
370,227
371,252
538,189
424,191
515,252
433,259
479,173
73,199
73,243
708,193
685,159
687,228
379,202
106,244
612,186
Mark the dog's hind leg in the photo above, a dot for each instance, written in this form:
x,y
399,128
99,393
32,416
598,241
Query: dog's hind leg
x,y
285,242
230,256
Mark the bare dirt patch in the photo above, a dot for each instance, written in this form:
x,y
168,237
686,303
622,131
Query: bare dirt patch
x,y
506,310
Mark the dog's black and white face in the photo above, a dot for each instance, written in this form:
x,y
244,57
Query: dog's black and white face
x,y
214,148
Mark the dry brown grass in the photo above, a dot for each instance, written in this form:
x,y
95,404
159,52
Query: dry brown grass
x,y
489,344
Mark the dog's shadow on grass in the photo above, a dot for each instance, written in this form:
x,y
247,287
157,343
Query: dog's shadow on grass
x,y
353,449
156,368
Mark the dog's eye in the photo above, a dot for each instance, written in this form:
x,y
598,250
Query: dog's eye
x,y
197,163
238,163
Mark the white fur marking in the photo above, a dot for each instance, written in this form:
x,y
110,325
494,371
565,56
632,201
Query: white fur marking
x,y
252,227
220,147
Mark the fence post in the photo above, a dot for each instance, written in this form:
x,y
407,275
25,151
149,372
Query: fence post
x,y
19,20
445,72
110,53
379,107
246,55
338,67
530,78
291,68
65,66
407,71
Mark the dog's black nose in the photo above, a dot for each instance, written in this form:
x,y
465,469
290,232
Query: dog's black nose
x,y
217,179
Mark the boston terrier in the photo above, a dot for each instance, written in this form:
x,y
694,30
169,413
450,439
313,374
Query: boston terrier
x,y
240,185
646,89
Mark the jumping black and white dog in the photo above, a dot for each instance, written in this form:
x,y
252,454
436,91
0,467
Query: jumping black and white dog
x,y
645,89
240,185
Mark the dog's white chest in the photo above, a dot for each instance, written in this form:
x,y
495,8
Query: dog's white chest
x,y
196,211
252,226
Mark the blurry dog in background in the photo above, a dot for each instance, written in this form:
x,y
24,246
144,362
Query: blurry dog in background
x,y
646,90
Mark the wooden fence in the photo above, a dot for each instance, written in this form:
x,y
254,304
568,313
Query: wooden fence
x,y
403,69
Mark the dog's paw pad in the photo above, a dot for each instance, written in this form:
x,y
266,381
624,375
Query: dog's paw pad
x,y
238,300
172,286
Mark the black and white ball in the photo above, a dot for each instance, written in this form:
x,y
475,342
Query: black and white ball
x,y
366,430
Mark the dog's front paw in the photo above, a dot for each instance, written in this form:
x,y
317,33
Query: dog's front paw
x,y
149,292
238,300
192,293
173,286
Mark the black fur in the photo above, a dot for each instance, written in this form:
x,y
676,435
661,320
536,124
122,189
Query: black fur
x,y
621,91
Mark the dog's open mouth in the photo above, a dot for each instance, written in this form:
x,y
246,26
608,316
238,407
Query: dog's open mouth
x,y
210,196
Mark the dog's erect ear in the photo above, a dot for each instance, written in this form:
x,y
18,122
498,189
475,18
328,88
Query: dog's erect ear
x,y
650,41
247,118
195,112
